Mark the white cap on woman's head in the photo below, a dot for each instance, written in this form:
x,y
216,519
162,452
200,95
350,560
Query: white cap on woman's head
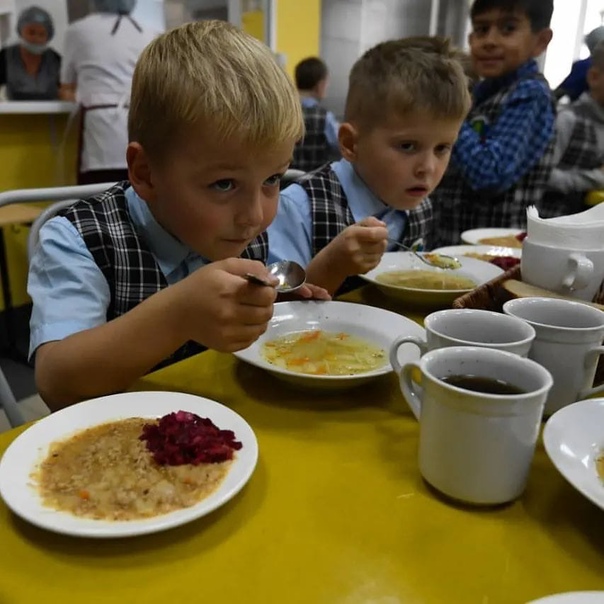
x,y
39,16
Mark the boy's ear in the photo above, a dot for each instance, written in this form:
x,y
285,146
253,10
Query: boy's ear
x,y
347,137
139,171
544,37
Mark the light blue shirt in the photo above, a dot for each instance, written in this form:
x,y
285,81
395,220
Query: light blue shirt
x,y
69,290
290,234
331,123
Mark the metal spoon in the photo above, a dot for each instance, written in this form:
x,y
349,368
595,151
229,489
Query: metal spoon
x,y
290,274
437,260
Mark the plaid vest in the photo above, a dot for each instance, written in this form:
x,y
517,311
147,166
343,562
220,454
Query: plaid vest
x,y
313,150
131,271
330,213
458,207
582,153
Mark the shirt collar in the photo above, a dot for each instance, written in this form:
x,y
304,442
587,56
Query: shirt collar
x,y
308,101
490,86
361,200
167,250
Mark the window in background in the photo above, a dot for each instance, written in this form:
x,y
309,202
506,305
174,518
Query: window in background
x,y
571,21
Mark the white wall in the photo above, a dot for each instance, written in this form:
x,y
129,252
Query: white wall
x,y
150,13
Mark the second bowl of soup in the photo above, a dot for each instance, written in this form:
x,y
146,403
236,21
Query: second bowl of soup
x,y
402,275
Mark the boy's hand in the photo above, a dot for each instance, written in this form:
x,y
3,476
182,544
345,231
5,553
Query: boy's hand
x,y
360,247
222,310
307,292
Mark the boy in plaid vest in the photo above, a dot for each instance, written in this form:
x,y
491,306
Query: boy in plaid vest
x,y
579,152
320,142
150,269
502,160
406,102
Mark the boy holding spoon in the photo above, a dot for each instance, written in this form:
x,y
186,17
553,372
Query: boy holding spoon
x,y
406,102
153,270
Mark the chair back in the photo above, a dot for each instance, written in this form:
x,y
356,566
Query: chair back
x,y
290,177
64,196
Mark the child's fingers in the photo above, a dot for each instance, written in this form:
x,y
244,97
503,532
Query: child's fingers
x,y
371,234
371,221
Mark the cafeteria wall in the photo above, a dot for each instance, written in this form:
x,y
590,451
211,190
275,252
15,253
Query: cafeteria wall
x,y
297,29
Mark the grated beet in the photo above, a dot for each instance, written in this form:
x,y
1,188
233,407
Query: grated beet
x,y
521,236
185,438
505,262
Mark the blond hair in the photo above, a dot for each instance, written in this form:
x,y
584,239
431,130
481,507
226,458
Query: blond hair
x,y
406,76
211,74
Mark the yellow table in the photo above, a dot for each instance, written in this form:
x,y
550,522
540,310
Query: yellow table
x,y
336,513
593,198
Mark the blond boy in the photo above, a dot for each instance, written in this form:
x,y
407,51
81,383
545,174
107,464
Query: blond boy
x,y
406,102
150,271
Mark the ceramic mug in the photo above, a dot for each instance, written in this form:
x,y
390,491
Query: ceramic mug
x,y
574,273
469,327
475,447
568,344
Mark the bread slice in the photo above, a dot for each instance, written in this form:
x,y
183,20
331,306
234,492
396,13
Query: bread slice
x,y
518,289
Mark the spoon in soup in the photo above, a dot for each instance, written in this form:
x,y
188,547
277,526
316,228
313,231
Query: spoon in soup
x,y
436,260
290,274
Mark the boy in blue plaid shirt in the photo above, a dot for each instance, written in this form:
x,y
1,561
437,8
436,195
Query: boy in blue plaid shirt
x,y
503,157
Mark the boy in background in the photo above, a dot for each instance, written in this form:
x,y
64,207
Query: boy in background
x,y
406,102
579,151
502,161
320,142
149,271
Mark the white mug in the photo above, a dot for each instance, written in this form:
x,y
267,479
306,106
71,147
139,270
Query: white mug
x,y
470,327
574,273
568,344
475,447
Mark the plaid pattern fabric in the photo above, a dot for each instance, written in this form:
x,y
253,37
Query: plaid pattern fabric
x,y
313,150
458,206
330,213
582,153
126,262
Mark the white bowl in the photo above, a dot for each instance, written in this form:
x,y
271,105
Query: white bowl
x,y
377,326
487,250
480,272
574,438
475,236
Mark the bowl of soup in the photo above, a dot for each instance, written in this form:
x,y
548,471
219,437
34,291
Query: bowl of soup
x,y
403,276
330,345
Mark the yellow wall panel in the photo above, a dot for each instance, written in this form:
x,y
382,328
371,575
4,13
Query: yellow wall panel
x,y
298,26
31,157
252,22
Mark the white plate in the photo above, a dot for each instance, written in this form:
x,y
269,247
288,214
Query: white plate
x,y
474,236
489,250
574,597
574,438
480,272
377,326
30,448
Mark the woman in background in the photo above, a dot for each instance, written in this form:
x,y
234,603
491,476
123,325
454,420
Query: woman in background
x,y
30,70
101,51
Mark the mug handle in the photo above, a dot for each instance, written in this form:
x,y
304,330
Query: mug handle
x,y
587,392
412,391
581,270
423,348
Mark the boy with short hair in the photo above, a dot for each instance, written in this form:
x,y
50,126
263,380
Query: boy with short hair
x,y
502,160
579,151
320,142
122,281
406,102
